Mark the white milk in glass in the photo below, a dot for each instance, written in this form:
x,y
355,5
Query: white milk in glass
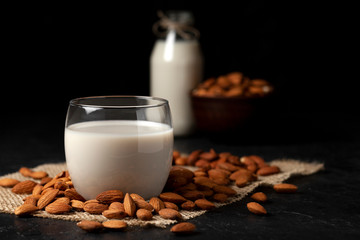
x,y
131,156
176,69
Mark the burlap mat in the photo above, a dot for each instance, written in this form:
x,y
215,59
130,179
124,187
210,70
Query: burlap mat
x,y
289,167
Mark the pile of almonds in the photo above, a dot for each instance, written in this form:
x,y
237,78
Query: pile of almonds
x,y
233,84
184,190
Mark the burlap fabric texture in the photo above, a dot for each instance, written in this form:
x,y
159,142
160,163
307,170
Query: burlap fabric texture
x,y
289,167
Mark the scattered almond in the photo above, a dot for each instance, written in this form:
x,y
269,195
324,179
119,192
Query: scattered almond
x,y
259,197
169,213
172,197
26,172
25,209
47,198
157,204
188,205
129,205
143,204
110,196
256,208
204,204
57,208
24,187
77,205
111,214
95,207
38,174
144,214
117,206
268,170
171,205
183,228
90,226
72,194
8,182
285,188
115,224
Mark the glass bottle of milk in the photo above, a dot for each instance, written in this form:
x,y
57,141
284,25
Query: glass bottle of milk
x,y
176,66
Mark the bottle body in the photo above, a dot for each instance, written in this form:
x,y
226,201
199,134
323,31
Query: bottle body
x,y
175,69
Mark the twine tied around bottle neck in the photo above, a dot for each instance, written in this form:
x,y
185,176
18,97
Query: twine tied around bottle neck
x,y
161,28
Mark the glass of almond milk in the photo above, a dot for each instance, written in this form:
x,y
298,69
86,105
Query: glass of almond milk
x,y
118,143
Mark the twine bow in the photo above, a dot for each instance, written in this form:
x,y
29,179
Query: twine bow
x,y
161,28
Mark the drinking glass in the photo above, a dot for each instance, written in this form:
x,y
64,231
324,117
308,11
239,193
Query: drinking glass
x,y
118,143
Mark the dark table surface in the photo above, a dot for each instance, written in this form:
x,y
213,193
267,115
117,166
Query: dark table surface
x,y
325,207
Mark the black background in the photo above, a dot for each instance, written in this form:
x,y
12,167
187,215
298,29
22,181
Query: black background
x,y
54,52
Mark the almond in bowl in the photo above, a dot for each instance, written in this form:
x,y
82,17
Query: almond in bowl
x,y
229,102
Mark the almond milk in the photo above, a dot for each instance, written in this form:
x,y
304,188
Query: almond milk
x,y
131,156
176,68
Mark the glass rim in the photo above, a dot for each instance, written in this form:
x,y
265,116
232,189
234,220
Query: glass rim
x,y
159,102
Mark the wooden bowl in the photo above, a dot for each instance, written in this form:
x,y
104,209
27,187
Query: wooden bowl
x,y
218,114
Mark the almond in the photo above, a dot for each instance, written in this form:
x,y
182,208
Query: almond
x,y
177,171
188,205
58,207
90,226
235,160
144,214
37,189
129,205
193,157
201,163
256,208
204,204
63,200
95,207
8,182
220,197
47,198
111,214
157,204
77,205
45,180
241,181
25,209
24,187
136,196
228,166
110,196
217,173
181,161
183,228
171,205
172,197
26,172
193,195
50,183
168,213
265,171
38,174
32,199
143,204
117,206
115,224
258,160
259,197
72,194
61,185
241,172
285,188
225,190
209,156
204,182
